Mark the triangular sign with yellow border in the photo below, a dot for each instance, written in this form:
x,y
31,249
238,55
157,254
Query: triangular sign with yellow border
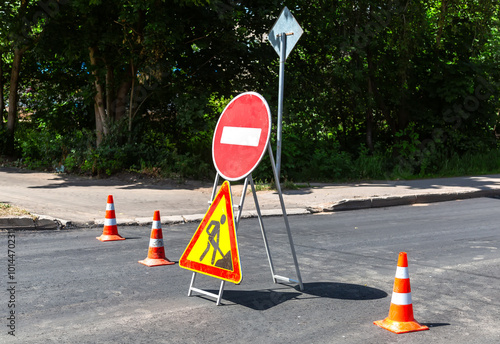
x,y
213,249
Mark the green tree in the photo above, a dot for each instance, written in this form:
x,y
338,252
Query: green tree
x,y
401,80
22,24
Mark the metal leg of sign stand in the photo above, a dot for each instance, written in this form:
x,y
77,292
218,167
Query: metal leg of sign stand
x,y
257,207
214,189
262,230
217,297
259,214
285,217
192,288
240,206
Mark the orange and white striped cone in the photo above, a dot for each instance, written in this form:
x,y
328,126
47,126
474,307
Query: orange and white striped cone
x,y
110,231
400,319
156,252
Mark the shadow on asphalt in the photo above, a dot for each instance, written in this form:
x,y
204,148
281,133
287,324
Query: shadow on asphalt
x,y
122,181
343,291
262,300
435,324
259,300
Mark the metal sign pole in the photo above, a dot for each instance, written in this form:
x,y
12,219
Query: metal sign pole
x,y
285,25
281,90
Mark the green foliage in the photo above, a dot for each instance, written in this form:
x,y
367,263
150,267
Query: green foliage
x,y
3,139
471,164
370,166
394,89
39,148
75,152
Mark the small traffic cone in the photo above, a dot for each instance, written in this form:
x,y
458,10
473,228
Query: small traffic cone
x,y
156,252
110,231
400,319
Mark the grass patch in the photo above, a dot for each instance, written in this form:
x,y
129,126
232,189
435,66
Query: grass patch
x,y
261,185
285,185
471,164
11,210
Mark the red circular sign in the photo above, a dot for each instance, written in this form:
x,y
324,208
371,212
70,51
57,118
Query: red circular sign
x,y
241,136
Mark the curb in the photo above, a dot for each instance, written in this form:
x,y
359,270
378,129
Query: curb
x,y
176,219
35,222
51,223
390,201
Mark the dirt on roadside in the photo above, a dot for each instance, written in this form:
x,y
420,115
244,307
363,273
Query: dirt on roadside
x,y
7,210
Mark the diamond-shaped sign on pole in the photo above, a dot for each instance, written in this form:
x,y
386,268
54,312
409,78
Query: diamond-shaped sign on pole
x,y
286,23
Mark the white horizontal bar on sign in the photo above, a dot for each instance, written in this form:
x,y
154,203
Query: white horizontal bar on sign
x,y
241,136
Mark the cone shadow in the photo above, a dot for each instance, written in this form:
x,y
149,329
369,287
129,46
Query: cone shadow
x,y
430,325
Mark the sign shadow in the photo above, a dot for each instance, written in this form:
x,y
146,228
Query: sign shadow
x,y
262,300
343,291
259,300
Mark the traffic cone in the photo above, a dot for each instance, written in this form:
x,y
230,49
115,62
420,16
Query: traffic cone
x,y
110,231
156,252
400,319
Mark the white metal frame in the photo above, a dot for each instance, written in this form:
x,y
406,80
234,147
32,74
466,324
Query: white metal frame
x,y
239,208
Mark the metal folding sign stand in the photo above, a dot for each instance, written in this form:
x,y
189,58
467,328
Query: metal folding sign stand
x,y
239,208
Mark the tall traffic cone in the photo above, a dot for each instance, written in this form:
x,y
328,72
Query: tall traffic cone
x,y
156,252
400,319
110,231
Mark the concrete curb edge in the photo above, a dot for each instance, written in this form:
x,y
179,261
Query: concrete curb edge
x,y
51,223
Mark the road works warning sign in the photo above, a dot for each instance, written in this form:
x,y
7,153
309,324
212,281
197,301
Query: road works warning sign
x,y
213,249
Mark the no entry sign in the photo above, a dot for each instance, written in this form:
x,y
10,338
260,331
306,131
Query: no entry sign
x,y
241,136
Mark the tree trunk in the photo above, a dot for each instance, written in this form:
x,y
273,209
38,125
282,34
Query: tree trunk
x,y
131,107
121,98
98,125
100,112
369,128
14,84
441,24
404,113
369,108
2,104
110,94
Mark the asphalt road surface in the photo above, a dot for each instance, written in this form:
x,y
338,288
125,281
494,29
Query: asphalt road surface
x,y
72,288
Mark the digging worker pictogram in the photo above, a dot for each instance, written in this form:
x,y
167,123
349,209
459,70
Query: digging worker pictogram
x,y
213,231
